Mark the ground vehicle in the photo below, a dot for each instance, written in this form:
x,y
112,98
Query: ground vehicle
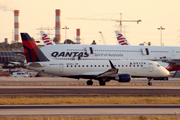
x,y
19,74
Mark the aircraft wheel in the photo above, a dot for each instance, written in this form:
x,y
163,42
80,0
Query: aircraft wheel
x,y
149,83
89,82
102,83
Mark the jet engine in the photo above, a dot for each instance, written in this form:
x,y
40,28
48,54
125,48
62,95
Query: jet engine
x,y
123,78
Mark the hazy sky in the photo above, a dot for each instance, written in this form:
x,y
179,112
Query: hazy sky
x,y
41,13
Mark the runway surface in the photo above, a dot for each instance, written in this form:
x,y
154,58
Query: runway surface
x,y
85,110
83,89
60,80
7,110
89,90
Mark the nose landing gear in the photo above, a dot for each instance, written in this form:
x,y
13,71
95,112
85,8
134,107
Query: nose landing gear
x,y
149,81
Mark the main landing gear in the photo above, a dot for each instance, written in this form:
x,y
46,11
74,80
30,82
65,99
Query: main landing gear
x,y
101,82
89,82
149,81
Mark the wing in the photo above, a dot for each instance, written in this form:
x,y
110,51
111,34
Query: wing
x,y
172,62
35,64
109,73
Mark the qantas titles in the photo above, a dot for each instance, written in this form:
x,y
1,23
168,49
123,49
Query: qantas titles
x,y
83,54
69,54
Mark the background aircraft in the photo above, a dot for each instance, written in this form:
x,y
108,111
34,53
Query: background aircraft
x,y
10,57
122,41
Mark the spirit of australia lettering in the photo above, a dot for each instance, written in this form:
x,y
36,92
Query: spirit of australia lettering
x,y
69,54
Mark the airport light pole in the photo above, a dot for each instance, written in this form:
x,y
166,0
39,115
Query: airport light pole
x,y
161,28
65,31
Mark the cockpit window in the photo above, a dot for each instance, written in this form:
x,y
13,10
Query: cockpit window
x,y
158,65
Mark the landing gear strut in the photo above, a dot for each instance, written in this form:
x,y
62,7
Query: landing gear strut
x,y
102,82
89,82
149,81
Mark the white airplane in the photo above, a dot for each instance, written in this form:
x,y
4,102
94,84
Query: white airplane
x,y
169,67
102,70
46,39
122,41
105,52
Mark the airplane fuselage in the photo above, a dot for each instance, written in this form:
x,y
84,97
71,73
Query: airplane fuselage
x,y
112,52
89,69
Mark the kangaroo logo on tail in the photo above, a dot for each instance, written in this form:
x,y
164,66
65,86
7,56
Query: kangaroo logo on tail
x,y
31,50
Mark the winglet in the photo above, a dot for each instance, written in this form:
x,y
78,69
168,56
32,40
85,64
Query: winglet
x,y
31,50
112,66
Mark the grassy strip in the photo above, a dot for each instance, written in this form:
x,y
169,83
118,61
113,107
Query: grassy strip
x,y
98,118
108,84
88,100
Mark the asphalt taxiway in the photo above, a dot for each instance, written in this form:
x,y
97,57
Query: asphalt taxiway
x,y
85,110
19,110
89,90
61,80
83,89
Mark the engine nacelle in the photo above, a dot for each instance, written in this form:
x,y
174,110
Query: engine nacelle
x,y
123,78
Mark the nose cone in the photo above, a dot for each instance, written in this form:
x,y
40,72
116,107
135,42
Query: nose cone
x,y
163,72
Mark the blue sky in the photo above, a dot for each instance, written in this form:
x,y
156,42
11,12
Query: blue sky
x,y
39,13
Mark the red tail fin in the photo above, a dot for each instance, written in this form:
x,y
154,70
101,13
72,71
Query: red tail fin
x,y
31,50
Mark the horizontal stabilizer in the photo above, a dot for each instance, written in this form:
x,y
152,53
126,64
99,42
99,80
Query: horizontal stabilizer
x,y
35,64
